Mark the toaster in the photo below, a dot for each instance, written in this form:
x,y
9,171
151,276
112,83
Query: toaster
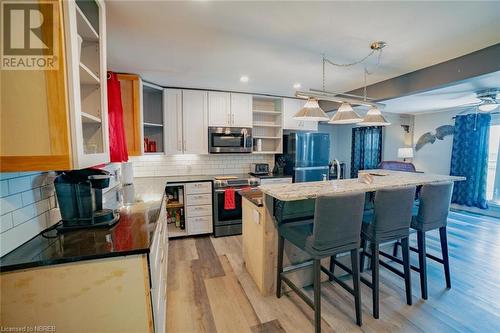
x,y
260,168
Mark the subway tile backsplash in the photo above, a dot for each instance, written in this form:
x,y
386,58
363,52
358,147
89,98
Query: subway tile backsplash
x,y
27,206
180,165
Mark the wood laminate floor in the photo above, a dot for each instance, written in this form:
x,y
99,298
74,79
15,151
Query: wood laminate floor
x,y
210,291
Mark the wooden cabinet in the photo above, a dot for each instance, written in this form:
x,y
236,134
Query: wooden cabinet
x,y
57,119
241,110
219,109
132,116
290,108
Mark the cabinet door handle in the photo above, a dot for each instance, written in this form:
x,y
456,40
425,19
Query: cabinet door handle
x,y
232,118
184,146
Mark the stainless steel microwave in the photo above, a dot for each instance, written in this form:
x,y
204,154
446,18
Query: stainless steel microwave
x,y
229,140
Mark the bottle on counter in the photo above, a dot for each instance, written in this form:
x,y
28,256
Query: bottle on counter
x,y
178,218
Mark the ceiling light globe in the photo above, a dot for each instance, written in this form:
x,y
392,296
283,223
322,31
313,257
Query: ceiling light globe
x,y
487,107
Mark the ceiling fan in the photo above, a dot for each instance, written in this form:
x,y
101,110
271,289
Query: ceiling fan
x,y
487,99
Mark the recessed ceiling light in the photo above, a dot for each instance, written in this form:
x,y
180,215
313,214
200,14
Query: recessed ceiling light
x,y
297,86
244,78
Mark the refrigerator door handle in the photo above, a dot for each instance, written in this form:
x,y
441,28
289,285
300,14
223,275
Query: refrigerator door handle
x,y
312,168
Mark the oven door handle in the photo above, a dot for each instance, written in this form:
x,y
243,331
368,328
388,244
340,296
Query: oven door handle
x,y
235,189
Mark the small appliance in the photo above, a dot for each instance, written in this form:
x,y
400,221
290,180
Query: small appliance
x,y
259,169
229,140
79,195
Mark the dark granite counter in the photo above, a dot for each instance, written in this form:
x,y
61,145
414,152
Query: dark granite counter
x,y
131,235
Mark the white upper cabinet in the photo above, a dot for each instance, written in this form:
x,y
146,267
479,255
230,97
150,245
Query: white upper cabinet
x,y
219,109
173,118
290,108
195,121
241,110
87,82
229,109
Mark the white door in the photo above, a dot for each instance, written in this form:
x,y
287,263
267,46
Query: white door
x,y
241,110
290,108
195,121
172,101
219,109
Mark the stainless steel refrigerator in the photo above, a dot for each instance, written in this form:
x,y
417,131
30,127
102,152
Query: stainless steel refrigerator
x,y
306,156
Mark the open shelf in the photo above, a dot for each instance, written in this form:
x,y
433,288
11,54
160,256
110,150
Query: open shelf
x,y
175,205
84,28
261,124
88,118
87,77
265,112
173,231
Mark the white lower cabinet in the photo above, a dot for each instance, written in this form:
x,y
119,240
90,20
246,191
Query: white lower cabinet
x,y
199,208
195,208
158,257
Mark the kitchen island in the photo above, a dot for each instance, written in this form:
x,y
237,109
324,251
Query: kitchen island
x,y
260,237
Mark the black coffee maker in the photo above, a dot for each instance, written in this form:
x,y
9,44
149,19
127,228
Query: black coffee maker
x,y
79,194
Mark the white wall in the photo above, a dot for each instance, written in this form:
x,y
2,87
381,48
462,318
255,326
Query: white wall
x,y
436,157
179,165
27,206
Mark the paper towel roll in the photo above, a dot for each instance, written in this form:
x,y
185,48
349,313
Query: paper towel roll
x,y
127,173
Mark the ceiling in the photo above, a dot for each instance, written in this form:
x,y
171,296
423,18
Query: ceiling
x,y
209,44
461,94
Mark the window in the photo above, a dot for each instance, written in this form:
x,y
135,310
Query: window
x,y
366,149
493,180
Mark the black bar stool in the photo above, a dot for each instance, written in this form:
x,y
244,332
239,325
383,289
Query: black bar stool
x,y
432,214
335,229
389,221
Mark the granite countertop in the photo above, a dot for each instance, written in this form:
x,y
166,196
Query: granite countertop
x,y
254,196
384,179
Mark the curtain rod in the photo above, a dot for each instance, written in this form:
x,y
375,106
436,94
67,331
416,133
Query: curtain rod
x,y
476,113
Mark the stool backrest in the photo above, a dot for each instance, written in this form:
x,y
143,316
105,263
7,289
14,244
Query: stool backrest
x,y
434,205
337,220
393,212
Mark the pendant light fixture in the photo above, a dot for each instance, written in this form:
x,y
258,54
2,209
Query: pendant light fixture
x,y
311,111
374,118
345,115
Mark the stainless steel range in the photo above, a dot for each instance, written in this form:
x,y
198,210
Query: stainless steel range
x,y
227,222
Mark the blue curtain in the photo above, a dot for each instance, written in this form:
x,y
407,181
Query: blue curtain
x,y
469,158
366,149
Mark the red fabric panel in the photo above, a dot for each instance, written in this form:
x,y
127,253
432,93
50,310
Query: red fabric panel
x,y
229,199
117,141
